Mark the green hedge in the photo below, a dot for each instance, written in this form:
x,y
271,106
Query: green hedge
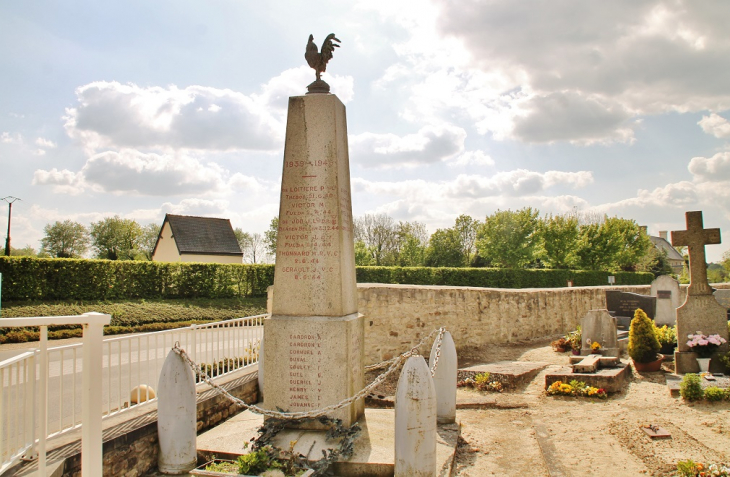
x,y
497,277
26,278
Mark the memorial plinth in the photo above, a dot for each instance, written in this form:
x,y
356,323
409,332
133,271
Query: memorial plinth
x,y
313,355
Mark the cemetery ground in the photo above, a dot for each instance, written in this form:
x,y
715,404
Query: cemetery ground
x,y
523,431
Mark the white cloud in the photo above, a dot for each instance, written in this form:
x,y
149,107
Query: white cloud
x,y
429,145
715,168
63,181
276,92
9,138
472,158
109,114
43,142
716,125
199,207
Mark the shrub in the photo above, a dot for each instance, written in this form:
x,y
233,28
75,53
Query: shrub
x,y
691,388
643,344
714,394
667,337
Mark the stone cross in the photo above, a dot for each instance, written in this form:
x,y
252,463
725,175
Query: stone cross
x,y
695,238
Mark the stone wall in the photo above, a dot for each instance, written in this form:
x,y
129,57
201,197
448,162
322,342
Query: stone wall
x,y
398,316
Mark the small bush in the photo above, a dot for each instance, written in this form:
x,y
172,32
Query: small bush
x,y
667,337
691,388
643,344
714,394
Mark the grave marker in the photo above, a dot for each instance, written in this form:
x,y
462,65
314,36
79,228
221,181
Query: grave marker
x,y
622,305
666,291
600,326
700,311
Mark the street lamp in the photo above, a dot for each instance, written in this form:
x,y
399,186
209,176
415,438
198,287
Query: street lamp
x,y
9,199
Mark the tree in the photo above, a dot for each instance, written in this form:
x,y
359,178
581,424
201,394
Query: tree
x,y
65,239
655,261
466,229
270,236
26,251
507,238
363,255
148,240
635,243
597,246
409,249
558,235
379,234
255,249
445,249
115,238
243,239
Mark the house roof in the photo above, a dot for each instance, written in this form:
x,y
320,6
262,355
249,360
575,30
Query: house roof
x,y
202,235
664,245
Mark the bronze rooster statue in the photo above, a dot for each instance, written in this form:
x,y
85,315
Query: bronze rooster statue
x,y
318,60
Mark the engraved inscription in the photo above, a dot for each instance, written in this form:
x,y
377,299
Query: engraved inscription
x,y
664,294
305,375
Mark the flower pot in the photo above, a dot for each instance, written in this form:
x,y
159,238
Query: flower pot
x,y
650,367
576,351
704,364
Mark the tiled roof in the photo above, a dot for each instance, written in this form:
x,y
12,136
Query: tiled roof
x,y
203,235
663,244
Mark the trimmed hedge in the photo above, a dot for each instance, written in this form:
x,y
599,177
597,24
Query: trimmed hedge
x,y
497,277
26,278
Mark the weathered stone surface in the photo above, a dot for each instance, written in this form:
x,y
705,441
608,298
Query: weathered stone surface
x,y
603,361
666,290
723,298
509,373
415,421
312,362
444,379
589,364
599,326
610,379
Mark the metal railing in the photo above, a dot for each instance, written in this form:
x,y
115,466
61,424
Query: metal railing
x,y
130,369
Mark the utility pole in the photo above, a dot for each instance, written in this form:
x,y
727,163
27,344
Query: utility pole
x,y
9,199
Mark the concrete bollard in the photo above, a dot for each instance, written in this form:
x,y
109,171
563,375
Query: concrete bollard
x,y
444,379
176,417
415,421
260,373
141,393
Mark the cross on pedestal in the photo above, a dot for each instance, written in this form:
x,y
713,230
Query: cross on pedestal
x,y
695,238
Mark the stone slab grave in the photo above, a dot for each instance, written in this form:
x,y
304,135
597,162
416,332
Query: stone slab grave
x,y
622,305
602,368
666,290
700,312
511,374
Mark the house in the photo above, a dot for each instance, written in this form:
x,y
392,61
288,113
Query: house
x,y
675,259
185,238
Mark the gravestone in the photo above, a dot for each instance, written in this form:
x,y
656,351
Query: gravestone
x,y
622,305
666,290
313,356
700,312
600,326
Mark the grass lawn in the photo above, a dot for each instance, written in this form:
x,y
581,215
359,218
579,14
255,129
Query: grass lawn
x,y
129,316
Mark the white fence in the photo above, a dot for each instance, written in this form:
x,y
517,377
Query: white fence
x,y
128,362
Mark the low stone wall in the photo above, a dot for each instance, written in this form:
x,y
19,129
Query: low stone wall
x,y
398,316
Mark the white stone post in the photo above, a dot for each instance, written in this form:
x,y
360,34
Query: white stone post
x,y
176,417
444,378
91,442
260,374
415,421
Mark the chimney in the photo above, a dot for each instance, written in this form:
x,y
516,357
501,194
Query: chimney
x,y
663,234
644,229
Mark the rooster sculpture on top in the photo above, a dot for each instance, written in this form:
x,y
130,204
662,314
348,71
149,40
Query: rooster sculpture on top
x,y
318,60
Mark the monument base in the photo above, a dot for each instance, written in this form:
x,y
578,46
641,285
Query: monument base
x,y
313,362
700,313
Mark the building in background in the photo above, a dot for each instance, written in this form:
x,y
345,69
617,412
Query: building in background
x,y
675,259
185,238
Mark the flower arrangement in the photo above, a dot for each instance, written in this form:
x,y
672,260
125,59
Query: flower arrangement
x,y
667,336
575,388
595,346
705,345
576,339
482,382
561,345
690,468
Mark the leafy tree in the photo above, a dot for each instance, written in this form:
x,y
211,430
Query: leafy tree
x,y
507,238
255,252
65,239
655,261
558,235
445,249
716,273
115,238
635,243
243,239
363,255
598,245
409,249
26,251
270,236
147,241
466,229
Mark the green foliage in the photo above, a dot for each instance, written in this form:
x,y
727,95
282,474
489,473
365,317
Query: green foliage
x,y
74,279
147,241
575,338
688,468
444,249
558,236
115,238
597,246
506,238
655,261
715,394
363,254
271,236
495,277
643,344
666,335
65,239
258,461
634,242
691,388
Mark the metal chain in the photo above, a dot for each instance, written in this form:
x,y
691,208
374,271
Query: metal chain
x,y
394,365
435,363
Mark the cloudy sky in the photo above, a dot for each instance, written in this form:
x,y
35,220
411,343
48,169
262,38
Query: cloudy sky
x,y
141,108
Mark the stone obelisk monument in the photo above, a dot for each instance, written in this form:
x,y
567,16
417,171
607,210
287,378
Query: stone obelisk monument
x,y
313,354
700,312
